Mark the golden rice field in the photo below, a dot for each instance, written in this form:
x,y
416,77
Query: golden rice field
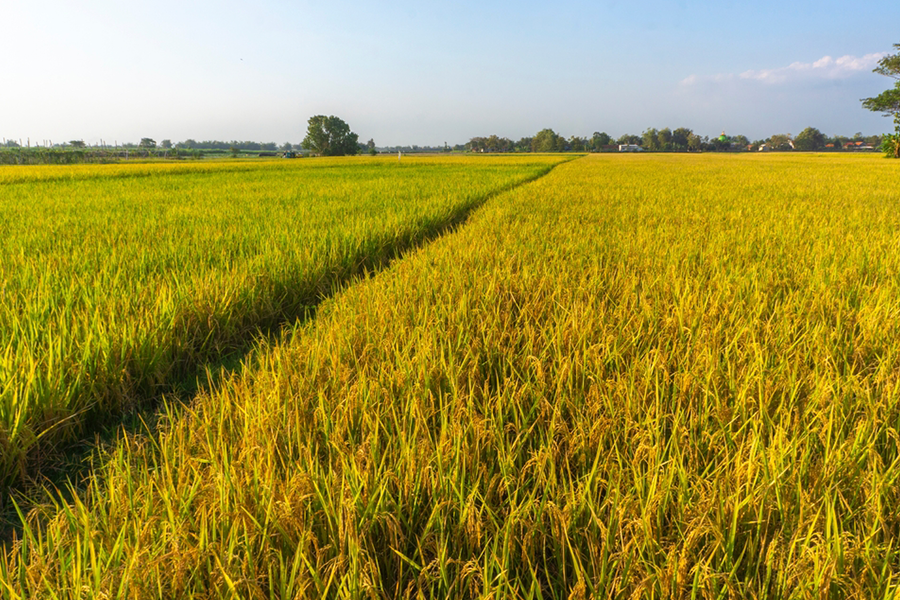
x,y
660,376
117,282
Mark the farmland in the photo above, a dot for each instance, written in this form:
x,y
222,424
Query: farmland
x,y
120,281
628,376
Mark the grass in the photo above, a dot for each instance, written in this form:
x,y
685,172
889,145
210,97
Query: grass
x,y
119,282
641,376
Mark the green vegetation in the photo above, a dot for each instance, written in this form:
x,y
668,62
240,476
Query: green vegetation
x,y
54,156
638,376
888,101
117,283
330,136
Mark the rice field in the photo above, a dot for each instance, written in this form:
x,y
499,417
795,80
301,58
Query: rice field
x,y
118,282
661,376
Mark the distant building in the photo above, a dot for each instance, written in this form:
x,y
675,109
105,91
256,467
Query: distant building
x,y
765,148
630,148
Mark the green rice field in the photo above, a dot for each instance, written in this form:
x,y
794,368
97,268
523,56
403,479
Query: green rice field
x,y
642,376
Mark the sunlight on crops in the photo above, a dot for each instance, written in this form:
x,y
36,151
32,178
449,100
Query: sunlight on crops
x,y
637,376
118,281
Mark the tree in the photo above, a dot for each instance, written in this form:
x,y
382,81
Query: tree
x,y
695,142
740,142
888,101
576,143
629,138
370,146
492,143
545,141
147,143
330,136
165,144
476,144
598,140
77,143
650,139
561,144
780,141
809,140
664,137
681,138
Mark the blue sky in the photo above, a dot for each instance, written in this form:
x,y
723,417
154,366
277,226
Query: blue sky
x,y
426,73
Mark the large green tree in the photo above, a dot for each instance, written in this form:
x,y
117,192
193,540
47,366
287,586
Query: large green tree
x,y
547,140
809,140
665,138
681,138
330,136
600,139
695,142
888,101
650,139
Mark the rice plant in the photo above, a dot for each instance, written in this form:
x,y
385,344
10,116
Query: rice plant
x,y
636,377
118,282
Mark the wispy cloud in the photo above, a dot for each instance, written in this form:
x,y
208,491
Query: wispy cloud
x,y
824,68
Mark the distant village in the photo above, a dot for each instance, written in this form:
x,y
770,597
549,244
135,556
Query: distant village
x,y
678,140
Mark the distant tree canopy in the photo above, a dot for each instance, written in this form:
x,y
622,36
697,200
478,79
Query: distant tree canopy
x,y
599,140
492,143
332,130
330,136
888,101
190,144
547,140
780,141
809,140
681,139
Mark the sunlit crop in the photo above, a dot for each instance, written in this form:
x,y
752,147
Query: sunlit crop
x,y
666,376
118,282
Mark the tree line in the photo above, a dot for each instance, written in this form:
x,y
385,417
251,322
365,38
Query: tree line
x,y
681,139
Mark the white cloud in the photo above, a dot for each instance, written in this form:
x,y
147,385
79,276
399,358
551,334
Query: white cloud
x,y
824,68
